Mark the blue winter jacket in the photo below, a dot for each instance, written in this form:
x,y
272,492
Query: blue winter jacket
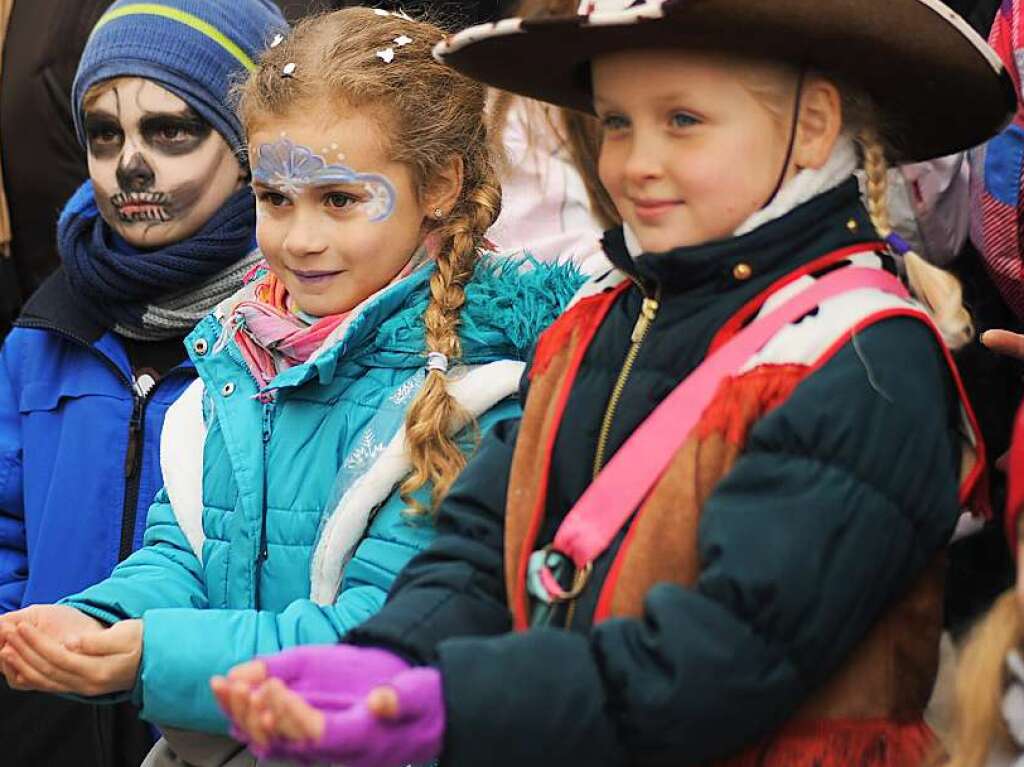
x,y
79,461
281,522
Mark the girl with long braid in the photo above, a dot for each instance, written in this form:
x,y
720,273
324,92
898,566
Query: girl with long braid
x,y
716,534
339,391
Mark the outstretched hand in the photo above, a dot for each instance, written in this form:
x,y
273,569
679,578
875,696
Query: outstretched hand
x,y
96,661
363,707
58,622
268,712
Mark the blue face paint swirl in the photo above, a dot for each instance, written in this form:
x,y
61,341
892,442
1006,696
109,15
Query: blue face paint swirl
x,y
284,165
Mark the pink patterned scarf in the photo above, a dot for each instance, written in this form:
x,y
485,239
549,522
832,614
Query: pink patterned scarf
x,y
273,338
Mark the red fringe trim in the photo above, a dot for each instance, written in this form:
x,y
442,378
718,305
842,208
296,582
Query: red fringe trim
x,y
744,399
841,743
583,316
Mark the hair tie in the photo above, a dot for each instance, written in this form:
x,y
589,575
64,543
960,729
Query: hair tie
x,y
437,361
897,244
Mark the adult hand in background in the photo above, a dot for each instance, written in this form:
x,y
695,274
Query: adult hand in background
x,y
90,663
1004,342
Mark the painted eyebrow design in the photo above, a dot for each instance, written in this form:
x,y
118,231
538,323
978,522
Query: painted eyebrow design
x,y
100,118
187,118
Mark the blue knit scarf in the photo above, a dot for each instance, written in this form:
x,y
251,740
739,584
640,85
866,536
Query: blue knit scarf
x,y
155,294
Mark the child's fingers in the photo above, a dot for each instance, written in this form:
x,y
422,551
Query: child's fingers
x,y
221,691
71,671
411,694
296,719
383,702
263,712
112,641
254,722
22,675
23,642
238,704
252,673
269,722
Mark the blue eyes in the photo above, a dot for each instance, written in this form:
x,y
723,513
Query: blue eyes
x,y
615,123
682,120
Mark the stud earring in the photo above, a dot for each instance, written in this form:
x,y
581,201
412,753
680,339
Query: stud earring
x,y
438,214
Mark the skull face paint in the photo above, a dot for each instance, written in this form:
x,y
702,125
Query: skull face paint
x,y
159,170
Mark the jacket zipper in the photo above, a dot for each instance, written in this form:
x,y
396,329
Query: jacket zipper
x,y
648,311
133,476
264,552
133,454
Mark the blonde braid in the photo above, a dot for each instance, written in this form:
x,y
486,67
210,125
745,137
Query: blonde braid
x,y
939,290
428,114
435,415
981,675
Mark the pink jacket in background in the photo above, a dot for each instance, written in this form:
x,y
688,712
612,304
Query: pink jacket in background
x,y
545,209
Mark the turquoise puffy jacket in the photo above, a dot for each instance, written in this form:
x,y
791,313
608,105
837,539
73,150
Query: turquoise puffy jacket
x,y
280,522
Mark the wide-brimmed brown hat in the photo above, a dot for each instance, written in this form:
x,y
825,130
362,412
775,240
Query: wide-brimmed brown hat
x,y
940,87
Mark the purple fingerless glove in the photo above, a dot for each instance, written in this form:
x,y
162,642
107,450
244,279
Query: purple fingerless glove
x,y
336,680
334,669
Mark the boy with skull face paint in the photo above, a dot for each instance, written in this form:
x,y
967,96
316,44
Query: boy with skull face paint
x,y
161,232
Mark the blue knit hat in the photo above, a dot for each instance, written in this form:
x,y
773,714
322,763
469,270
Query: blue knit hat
x,y
196,49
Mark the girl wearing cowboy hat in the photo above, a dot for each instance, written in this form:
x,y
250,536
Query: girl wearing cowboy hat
x,y
716,535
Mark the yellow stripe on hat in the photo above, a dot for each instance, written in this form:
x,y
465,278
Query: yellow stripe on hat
x,y
196,23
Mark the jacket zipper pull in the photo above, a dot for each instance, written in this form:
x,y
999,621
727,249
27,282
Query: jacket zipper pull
x,y
131,459
268,418
648,311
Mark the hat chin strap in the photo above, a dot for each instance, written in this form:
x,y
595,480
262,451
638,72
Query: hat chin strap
x,y
807,184
792,138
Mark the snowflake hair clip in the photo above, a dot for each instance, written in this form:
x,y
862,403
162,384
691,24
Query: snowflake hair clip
x,y
278,39
387,55
288,70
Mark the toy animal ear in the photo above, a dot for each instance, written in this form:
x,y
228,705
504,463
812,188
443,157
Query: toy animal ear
x,y
819,124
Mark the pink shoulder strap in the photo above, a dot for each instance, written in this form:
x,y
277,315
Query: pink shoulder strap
x,y
607,504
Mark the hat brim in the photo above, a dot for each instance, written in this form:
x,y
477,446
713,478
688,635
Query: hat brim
x,y
940,88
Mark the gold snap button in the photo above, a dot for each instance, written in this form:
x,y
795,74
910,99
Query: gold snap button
x,y
742,271
852,225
